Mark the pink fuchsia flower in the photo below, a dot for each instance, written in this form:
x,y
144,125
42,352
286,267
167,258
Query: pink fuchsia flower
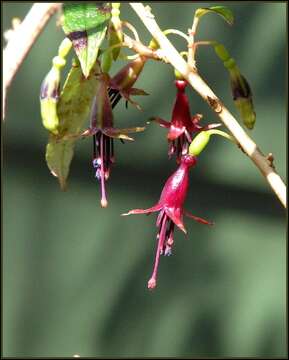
x,y
170,207
183,125
104,132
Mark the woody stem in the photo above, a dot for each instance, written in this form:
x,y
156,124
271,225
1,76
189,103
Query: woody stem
x,y
22,40
200,86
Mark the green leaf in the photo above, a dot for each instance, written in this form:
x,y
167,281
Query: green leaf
x,y
220,10
73,110
58,157
85,25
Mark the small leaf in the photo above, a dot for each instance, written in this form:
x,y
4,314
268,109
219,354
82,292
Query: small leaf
x,y
76,99
58,157
85,25
72,109
220,10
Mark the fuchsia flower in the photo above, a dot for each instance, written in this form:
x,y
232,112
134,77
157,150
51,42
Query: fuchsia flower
x,y
170,207
103,132
182,125
124,80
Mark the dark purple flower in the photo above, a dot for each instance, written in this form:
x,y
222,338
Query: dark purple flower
x,y
103,131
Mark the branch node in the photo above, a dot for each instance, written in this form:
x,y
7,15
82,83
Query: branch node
x,y
270,159
215,104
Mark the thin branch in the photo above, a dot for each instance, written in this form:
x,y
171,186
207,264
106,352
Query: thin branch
x,y
140,48
199,85
22,39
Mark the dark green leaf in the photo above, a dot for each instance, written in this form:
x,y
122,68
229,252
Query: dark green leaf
x,y
85,25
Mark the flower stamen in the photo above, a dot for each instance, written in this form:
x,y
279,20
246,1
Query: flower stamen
x,y
161,238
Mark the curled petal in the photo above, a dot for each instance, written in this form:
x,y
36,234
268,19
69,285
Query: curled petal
x,y
126,94
175,132
89,132
116,134
211,126
198,219
163,123
176,216
122,133
132,130
144,211
86,133
135,91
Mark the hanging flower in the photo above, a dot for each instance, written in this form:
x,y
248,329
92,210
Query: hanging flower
x,y
170,207
104,132
124,80
183,125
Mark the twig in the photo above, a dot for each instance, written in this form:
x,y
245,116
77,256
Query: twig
x,y
22,40
140,48
199,85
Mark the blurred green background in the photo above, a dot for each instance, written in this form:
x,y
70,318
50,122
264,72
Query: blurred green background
x,y
75,275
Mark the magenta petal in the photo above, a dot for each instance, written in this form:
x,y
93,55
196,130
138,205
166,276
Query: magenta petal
x,y
175,132
163,123
89,132
143,211
211,126
176,216
198,219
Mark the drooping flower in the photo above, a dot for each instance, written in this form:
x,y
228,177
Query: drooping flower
x,y
104,132
170,207
183,125
124,80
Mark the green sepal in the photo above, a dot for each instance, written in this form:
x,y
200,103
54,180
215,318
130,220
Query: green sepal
x,y
50,88
106,61
223,11
201,140
246,109
199,143
115,38
222,52
48,108
85,24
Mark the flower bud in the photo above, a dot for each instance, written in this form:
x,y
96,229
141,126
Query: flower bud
x,y
242,97
199,143
49,95
50,88
241,91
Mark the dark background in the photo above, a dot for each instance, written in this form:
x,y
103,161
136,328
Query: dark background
x,y
75,275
